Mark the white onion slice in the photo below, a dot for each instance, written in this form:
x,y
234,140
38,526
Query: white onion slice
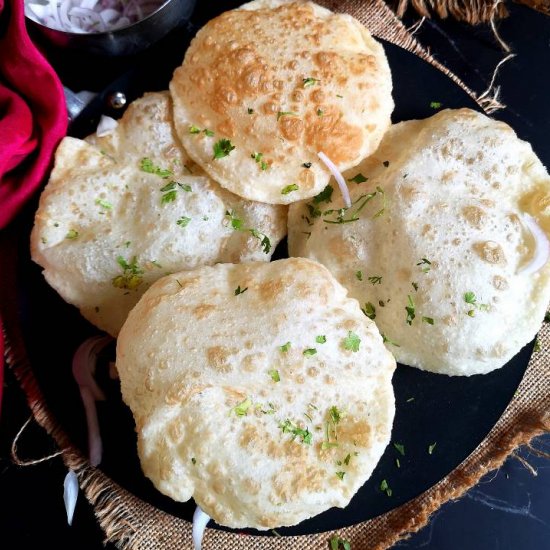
x,y
200,521
542,246
106,126
84,362
337,176
70,494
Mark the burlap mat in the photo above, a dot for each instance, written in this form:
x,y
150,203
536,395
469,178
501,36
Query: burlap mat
x,y
131,523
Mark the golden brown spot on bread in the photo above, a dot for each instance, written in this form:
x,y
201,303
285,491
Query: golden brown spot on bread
x,y
217,357
291,127
202,310
490,252
354,431
474,215
298,479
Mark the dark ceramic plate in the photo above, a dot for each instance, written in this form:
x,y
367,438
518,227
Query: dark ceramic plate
x,y
455,414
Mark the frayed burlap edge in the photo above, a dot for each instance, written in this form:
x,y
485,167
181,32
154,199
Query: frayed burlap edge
x,y
132,524
383,23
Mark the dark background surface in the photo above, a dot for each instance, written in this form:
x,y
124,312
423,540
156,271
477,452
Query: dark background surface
x,y
508,510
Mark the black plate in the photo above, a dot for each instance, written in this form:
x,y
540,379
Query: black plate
x,y
455,413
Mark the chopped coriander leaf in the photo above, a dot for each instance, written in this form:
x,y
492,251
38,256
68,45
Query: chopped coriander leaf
x,y
347,459
415,286
359,275
410,309
285,347
289,188
309,352
285,113
104,204
400,448
359,178
309,81
335,414
324,196
426,263
410,399
131,276
237,225
146,165
397,463
186,187
384,486
321,339
168,187
341,475
127,243
547,317
275,533
156,264
307,165
274,375
208,132
250,110
289,427
352,341
168,197
71,234
238,290
335,543
386,339
222,148
320,112
383,209
193,460
435,104
375,280
369,310
431,448
470,298
194,130
258,158
536,347
242,408
428,320
386,163
183,221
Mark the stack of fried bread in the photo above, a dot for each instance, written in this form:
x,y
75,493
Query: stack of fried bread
x,y
263,389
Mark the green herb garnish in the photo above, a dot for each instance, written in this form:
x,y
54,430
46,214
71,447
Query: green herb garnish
x,y
258,158
352,341
289,189
309,81
240,290
410,309
274,375
359,178
289,427
385,339
435,104
415,286
131,276
428,320
242,408
369,310
359,275
320,112
250,110
71,234
335,543
285,347
321,339
183,221
426,263
104,204
431,448
146,165
324,196
306,164
309,352
375,280
384,487
285,113
400,448
238,225
222,148
341,475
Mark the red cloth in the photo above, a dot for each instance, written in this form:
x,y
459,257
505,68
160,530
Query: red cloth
x,y
33,117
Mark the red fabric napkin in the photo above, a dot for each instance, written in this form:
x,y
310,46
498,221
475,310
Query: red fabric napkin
x,y
33,118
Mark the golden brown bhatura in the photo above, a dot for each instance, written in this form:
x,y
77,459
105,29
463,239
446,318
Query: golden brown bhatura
x,y
260,390
437,246
123,210
264,88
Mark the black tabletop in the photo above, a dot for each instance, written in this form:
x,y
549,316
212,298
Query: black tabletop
x,y
508,509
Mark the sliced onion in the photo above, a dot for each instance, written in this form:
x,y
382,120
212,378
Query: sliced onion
x,y
337,176
106,126
90,16
200,521
542,246
70,494
84,363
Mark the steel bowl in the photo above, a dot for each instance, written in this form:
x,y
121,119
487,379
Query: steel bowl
x,y
126,40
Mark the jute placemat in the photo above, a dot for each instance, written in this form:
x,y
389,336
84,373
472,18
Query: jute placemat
x,y
132,524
